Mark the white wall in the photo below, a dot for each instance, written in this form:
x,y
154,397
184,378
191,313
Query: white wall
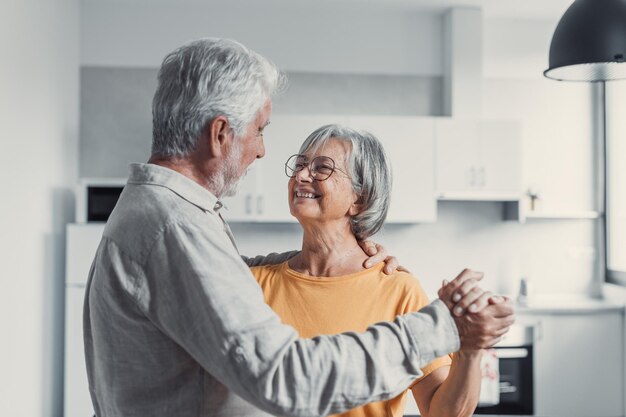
x,y
516,48
39,118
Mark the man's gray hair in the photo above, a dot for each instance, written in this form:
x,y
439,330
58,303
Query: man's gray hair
x,y
204,79
369,169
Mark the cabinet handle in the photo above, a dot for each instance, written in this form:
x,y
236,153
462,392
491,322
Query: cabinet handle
x,y
259,205
248,204
481,176
471,176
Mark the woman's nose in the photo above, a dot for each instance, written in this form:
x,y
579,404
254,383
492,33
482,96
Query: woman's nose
x,y
304,175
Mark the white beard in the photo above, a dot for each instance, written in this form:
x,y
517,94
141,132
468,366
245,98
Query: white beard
x,y
231,178
231,188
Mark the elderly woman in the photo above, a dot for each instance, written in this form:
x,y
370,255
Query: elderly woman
x,y
339,190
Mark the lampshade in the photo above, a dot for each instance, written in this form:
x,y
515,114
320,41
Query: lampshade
x,y
589,43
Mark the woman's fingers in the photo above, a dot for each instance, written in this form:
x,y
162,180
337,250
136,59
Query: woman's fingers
x,y
370,248
391,265
463,282
467,300
480,303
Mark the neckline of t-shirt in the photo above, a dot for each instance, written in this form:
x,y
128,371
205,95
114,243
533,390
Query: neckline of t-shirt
x,y
341,278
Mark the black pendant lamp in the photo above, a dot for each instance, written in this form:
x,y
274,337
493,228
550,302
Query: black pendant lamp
x,y
589,43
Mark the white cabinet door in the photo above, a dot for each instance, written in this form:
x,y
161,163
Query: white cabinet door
x,y
579,365
456,144
283,138
478,159
262,195
81,245
77,401
500,153
409,144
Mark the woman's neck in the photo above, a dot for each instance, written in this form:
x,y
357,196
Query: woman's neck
x,y
328,251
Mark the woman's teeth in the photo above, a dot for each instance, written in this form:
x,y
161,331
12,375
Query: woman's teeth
x,y
305,195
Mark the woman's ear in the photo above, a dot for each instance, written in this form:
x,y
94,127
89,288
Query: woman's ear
x,y
216,134
356,207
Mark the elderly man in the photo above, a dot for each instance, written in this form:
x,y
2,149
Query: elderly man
x,y
173,318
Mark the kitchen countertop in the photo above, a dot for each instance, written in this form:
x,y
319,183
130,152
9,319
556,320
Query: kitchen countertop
x,y
552,304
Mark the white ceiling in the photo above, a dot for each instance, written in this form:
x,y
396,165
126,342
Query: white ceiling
x,y
526,9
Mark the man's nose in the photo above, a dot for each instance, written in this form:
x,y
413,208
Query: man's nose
x,y
261,151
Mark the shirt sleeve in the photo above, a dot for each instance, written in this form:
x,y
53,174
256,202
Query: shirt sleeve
x,y
416,299
269,259
207,301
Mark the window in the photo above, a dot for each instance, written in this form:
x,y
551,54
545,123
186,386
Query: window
x,y
615,108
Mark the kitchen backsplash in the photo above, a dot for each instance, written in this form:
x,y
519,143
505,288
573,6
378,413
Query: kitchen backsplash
x,y
466,235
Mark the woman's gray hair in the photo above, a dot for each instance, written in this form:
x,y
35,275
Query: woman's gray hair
x,y
205,79
369,169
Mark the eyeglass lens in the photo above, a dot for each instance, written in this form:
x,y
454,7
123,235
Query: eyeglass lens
x,y
321,167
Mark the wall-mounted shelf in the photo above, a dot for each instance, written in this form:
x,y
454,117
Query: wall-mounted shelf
x,y
479,196
563,215
515,210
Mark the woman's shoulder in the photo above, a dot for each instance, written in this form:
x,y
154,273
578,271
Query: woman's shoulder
x,y
407,287
401,278
267,272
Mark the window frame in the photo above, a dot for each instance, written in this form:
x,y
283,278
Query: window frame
x,y
612,275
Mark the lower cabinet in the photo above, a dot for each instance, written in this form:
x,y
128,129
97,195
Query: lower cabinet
x,y
579,364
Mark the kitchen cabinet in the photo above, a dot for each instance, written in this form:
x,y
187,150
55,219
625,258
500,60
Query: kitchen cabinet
x,y
579,364
262,195
478,159
81,245
408,141
409,144
517,211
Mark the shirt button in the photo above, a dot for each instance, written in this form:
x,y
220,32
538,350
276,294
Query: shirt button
x,y
239,354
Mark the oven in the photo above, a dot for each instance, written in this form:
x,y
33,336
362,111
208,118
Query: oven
x,y
515,374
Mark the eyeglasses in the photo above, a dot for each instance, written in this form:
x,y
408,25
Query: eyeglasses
x,y
320,167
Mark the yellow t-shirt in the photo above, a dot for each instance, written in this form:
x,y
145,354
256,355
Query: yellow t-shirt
x,y
330,305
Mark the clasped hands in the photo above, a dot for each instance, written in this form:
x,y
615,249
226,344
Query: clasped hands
x,y
481,317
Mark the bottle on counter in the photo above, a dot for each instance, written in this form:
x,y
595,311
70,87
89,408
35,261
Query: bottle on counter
x,y
525,291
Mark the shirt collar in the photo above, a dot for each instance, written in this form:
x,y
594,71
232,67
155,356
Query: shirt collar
x,y
151,174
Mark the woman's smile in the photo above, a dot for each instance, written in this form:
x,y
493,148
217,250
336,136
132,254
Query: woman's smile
x,y
304,194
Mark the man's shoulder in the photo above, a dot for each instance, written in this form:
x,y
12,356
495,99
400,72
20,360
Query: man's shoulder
x,y
144,213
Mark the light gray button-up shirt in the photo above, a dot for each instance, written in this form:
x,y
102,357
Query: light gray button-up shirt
x,y
175,324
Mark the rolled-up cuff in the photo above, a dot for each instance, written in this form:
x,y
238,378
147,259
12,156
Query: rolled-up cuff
x,y
433,331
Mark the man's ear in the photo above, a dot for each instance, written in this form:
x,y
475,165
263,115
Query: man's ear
x,y
217,134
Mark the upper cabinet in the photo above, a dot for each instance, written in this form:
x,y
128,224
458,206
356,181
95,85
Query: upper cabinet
x,y
408,141
409,144
431,158
478,160
283,138
262,195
